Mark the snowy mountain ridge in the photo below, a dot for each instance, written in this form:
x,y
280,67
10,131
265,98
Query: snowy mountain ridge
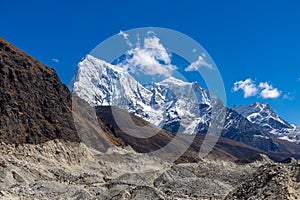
x,y
263,115
169,101
175,105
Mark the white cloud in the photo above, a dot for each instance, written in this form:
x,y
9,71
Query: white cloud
x,y
151,59
55,60
160,52
264,89
268,91
124,35
200,62
247,86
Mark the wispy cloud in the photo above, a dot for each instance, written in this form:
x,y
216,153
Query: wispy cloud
x,y
289,96
126,37
55,60
250,89
200,62
268,91
247,86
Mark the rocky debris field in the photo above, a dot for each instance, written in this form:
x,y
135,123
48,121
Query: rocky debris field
x,y
67,170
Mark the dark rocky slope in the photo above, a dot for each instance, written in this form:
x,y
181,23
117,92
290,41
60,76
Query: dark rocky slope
x,y
223,148
34,105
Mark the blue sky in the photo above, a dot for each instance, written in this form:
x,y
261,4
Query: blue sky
x,y
259,40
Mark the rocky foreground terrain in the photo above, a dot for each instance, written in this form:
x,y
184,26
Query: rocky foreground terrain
x,y
66,170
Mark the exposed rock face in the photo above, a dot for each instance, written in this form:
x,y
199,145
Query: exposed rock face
x,y
34,105
271,181
60,169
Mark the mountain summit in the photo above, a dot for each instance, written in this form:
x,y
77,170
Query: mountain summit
x,y
168,102
263,115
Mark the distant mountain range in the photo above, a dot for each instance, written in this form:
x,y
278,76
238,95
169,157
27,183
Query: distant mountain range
x,y
179,107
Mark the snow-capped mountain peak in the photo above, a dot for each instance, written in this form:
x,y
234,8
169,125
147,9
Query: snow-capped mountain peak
x,y
169,101
263,115
100,83
172,80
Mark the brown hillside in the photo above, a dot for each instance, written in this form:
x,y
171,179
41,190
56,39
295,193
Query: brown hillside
x,y
34,105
